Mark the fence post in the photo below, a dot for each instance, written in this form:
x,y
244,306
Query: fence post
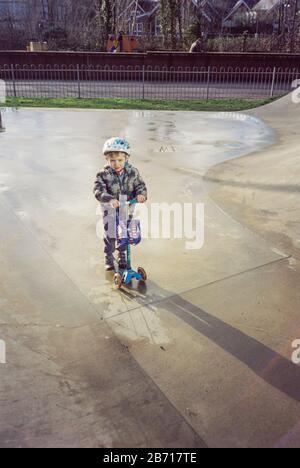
x,y
143,95
273,83
2,128
208,83
78,82
13,80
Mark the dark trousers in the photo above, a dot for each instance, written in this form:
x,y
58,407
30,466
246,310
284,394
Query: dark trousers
x,y
110,232
111,224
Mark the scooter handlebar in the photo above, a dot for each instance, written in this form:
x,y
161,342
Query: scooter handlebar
x,y
129,203
132,202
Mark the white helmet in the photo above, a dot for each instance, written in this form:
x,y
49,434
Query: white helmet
x,y
116,144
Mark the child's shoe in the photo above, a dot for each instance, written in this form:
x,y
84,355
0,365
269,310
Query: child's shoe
x,y
122,261
109,263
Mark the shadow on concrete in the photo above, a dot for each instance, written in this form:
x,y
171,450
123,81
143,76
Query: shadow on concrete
x,y
270,366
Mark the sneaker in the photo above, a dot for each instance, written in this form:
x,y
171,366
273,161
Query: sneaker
x,y
109,264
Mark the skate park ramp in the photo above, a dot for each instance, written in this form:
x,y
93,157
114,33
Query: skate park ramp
x,y
200,356
270,196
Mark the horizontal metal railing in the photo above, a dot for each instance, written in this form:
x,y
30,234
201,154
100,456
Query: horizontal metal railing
x,y
147,83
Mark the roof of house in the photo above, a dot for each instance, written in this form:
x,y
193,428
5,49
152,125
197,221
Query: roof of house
x,y
240,3
213,8
222,6
149,6
267,5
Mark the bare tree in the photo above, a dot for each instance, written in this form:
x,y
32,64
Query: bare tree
x,y
171,22
294,24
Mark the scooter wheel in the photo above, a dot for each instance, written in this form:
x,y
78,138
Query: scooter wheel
x,y
118,281
143,274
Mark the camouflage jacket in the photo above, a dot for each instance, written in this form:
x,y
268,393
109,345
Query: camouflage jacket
x,y
110,185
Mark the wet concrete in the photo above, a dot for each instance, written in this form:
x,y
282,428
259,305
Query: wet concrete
x,y
185,360
267,201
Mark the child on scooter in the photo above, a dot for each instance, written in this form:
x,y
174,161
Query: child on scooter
x,y
117,179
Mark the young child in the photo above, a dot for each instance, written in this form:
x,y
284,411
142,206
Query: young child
x,y
118,178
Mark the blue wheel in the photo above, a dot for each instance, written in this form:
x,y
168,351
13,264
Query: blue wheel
x,y
143,274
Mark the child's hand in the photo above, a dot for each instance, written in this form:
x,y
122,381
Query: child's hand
x,y
141,199
115,203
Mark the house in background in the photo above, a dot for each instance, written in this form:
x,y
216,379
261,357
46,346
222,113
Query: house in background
x,y
256,16
222,15
209,14
241,16
208,10
148,21
141,18
281,14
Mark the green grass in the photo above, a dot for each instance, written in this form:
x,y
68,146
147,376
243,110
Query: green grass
x,y
223,105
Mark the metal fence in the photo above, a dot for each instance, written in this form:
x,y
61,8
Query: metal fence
x,y
147,83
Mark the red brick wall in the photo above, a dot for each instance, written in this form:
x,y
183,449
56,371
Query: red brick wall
x,y
152,59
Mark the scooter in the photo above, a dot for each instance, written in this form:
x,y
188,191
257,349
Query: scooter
x,y
130,235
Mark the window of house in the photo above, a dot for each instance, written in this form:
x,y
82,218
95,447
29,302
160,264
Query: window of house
x,y
157,26
138,29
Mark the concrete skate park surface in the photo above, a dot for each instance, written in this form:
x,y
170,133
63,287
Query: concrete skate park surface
x,y
201,355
